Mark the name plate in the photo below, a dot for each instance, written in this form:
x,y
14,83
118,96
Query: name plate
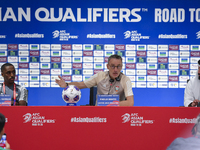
x,y
107,100
5,100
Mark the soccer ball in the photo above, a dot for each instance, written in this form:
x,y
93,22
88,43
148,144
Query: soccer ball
x,y
71,94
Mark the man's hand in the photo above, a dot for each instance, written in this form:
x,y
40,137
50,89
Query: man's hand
x,y
61,82
194,103
7,145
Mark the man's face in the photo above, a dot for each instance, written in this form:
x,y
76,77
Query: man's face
x,y
114,66
9,75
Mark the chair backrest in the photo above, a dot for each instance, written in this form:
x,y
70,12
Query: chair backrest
x,y
93,95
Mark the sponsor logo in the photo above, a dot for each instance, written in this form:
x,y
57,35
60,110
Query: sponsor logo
x,y
56,46
24,84
173,66
34,53
162,54
101,36
77,78
119,47
130,47
77,59
162,72
45,59
162,78
141,60
77,65
87,53
66,53
184,60
194,59
98,53
66,71
173,84
55,65
152,47
182,120
66,46
34,78
193,72
130,53
141,66
152,60
151,72
66,65
141,84
77,72
98,66
23,59
151,78
10,53
2,36
120,53
173,60
44,84
162,47
183,54
34,71
184,66
130,72
109,47
12,47
55,71
37,120
141,53
44,53
98,59
77,46
193,66
67,77
151,66
184,47
88,120
130,60
66,59
195,47
141,47
130,66
162,66
23,53
44,65
88,72
135,36
3,46
198,35
55,53
183,78
173,47
162,85
28,35
194,54
87,59
184,72
162,60
152,53
97,70
172,36
77,53
23,65
173,78
23,78
135,119
173,53
141,72
34,65
34,46
34,59
88,65
45,46
98,47
132,78
23,71
55,59
141,78
63,36
87,47
109,53
152,85
173,72
10,59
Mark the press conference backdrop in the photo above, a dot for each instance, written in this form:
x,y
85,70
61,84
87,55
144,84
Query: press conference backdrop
x,y
157,39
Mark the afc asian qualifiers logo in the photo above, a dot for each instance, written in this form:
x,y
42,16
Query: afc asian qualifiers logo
x,y
135,119
198,35
36,119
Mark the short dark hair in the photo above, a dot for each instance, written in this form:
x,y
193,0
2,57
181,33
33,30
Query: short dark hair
x,y
2,121
5,65
114,56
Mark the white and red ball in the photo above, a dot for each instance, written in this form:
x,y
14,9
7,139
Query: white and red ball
x,y
71,94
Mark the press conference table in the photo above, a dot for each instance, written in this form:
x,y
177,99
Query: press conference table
x,y
99,128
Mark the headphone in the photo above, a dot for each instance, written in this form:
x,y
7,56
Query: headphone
x,y
117,79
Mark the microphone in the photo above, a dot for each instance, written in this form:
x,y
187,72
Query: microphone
x,y
111,81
